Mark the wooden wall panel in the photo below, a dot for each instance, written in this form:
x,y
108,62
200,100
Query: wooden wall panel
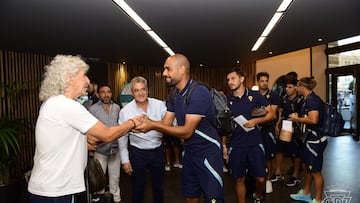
x,y
213,77
21,73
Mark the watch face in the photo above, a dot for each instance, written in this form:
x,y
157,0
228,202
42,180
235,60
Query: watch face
x,y
125,94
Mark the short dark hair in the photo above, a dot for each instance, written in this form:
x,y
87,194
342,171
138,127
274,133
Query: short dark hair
x,y
238,71
262,74
102,85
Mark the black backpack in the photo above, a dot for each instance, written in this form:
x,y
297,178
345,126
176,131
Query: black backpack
x,y
224,119
332,122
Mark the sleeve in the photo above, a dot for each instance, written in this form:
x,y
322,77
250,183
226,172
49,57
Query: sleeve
x,y
123,148
78,116
123,141
199,101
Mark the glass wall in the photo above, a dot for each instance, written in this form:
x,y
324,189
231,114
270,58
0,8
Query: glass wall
x,y
344,58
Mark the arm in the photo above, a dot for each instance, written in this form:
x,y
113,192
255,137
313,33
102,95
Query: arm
x,y
164,126
100,133
264,119
124,153
312,118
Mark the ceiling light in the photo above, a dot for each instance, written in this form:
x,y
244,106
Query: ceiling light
x,y
284,5
169,51
274,20
132,14
258,43
137,19
157,38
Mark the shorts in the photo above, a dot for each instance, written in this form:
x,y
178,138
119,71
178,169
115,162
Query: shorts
x,y
170,141
311,155
269,144
250,158
203,176
43,199
288,148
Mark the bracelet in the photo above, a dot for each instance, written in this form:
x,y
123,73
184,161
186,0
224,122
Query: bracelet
x,y
133,122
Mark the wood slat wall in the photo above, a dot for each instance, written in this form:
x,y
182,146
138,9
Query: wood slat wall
x,y
213,77
22,72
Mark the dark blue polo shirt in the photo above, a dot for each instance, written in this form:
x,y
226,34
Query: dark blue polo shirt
x,y
291,106
274,99
205,141
243,106
312,103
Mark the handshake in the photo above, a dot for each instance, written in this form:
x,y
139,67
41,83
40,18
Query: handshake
x,y
142,123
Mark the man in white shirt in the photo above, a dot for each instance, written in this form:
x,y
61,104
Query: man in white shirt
x,y
146,150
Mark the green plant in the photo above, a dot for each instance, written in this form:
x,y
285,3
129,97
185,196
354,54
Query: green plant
x,y
9,146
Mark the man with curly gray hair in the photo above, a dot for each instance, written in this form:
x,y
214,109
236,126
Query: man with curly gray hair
x,y
64,132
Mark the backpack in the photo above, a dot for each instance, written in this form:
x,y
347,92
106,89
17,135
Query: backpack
x,y
224,119
332,122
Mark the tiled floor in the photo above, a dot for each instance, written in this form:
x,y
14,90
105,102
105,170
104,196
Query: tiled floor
x,y
341,173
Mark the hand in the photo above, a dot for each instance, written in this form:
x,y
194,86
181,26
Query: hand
x,y
251,123
139,119
91,147
293,116
146,125
127,168
225,153
91,141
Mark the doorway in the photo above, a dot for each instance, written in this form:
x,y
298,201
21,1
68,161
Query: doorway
x,y
342,94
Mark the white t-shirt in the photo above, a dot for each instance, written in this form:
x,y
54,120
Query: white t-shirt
x,y
61,148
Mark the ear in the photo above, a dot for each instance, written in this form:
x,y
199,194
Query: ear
x,y
242,79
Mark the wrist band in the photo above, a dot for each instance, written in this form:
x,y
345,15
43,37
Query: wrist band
x,y
133,122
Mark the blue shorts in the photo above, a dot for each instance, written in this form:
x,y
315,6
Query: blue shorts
x,y
312,155
203,176
269,144
250,158
288,148
42,199
170,141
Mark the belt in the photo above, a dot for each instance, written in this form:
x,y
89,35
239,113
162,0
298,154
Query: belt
x,y
323,139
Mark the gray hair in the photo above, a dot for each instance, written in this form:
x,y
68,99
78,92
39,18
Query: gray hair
x,y
56,77
139,79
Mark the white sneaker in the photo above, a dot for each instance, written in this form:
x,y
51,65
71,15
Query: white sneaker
x,y
268,187
177,165
167,167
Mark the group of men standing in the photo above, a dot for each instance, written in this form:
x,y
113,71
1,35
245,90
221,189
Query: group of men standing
x,y
251,148
65,130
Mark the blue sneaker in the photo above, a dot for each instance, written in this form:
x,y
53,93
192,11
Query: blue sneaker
x,y
300,196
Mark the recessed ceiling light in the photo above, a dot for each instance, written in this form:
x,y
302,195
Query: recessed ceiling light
x,y
270,52
320,40
237,61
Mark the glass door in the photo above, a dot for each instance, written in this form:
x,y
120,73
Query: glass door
x,y
345,89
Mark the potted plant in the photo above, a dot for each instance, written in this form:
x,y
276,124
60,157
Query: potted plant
x,y
9,146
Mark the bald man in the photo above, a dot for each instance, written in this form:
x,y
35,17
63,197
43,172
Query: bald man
x,y
202,160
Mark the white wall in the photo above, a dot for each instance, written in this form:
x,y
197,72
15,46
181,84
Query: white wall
x,y
300,62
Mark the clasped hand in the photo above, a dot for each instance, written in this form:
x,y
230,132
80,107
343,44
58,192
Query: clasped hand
x,y
146,125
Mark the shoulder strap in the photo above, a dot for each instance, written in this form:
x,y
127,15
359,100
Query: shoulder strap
x,y
190,89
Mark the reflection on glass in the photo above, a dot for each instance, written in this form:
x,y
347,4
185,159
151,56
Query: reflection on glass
x,y
345,98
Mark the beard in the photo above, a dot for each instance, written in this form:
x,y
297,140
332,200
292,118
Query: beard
x,y
105,100
170,82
